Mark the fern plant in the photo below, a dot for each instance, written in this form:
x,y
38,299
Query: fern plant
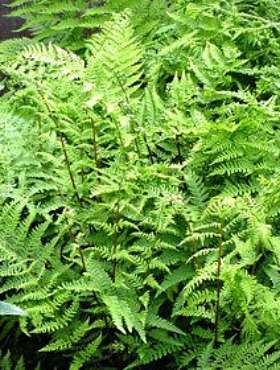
x,y
245,356
141,225
70,23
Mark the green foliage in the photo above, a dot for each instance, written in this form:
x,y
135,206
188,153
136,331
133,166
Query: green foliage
x,y
7,363
71,22
139,220
247,356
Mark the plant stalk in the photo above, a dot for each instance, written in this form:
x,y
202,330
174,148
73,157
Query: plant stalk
x,y
62,141
65,153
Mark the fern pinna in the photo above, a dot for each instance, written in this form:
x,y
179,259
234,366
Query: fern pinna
x,y
140,228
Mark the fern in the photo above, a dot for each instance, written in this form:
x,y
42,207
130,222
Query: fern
x,y
69,23
8,364
244,356
139,184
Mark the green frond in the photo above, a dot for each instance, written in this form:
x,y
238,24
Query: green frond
x,y
114,62
86,354
243,356
139,185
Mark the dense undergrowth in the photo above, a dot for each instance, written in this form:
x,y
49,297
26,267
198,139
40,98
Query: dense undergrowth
x,y
139,190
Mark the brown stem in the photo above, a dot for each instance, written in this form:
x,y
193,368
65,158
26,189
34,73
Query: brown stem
x,y
193,249
62,141
82,173
72,238
128,109
66,158
148,148
82,259
218,290
137,147
179,152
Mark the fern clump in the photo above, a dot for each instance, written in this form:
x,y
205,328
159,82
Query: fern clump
x,y
139,185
